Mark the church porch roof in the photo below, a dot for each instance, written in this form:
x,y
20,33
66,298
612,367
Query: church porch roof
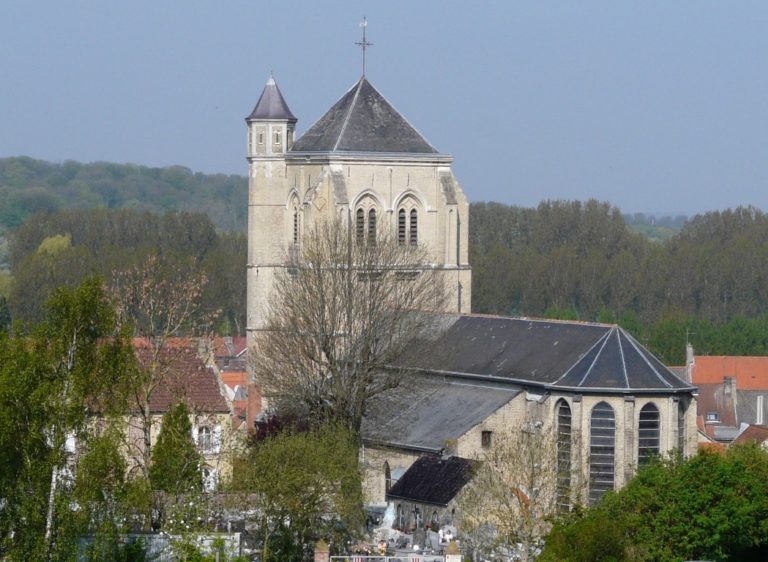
x,y
433,480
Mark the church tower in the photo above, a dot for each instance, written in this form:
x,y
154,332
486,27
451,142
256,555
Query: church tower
x,y
362,161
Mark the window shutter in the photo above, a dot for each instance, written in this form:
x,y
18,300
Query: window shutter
x,y
217,439
194,435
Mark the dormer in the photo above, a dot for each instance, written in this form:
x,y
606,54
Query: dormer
x,y
271,125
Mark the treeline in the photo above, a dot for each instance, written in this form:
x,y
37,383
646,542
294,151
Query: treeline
x,y
63,248
29,186
707,284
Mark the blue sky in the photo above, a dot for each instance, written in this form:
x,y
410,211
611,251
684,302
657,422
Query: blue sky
x,y
652,106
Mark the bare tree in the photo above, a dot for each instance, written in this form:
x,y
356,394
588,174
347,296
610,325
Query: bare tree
x,y
160,301
337,320
509,506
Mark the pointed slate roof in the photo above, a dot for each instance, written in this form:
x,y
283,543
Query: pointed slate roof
x,y
271,104
574,356
363,121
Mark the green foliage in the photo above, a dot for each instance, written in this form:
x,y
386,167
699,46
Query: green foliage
x,y
63,248
573,260
69,360
55,244
176,464
308,485
709,507
30,186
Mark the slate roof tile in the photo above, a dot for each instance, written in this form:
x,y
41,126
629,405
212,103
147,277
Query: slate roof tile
x,y
271,104
363,121
433,479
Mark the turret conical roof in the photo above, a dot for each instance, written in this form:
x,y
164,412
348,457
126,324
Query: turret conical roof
x,y
271,104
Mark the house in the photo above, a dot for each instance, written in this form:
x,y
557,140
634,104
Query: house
x,y
182,374
733,393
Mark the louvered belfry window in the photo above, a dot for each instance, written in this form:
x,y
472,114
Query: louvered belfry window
x,y
563,411
372,226
648,433
414,228
602,451
360,226
401,226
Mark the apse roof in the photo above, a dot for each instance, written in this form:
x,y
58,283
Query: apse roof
x,y
271,104
363,121
553,354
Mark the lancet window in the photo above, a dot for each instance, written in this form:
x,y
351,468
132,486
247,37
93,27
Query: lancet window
x,y
602,451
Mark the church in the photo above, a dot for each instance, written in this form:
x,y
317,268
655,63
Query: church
x,y
611,403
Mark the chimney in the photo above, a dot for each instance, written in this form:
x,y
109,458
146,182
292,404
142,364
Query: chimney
x,y
690,362
729,386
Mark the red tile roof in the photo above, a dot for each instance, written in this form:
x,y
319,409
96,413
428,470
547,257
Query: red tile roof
x,y
754,433
751,372
228,346
234,378
184,376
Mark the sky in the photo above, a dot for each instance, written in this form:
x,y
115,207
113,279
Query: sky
x,y
657,107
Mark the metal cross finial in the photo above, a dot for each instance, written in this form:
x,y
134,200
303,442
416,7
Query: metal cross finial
x,y
364,44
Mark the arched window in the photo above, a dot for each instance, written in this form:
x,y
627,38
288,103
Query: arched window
x,y
563,411
401,226
400,517
387,478
204,438
648,433
681,436
417,517
435,521
372,226
360,226
602,450
413,237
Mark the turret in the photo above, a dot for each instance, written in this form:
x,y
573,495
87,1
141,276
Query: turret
x,y
270,125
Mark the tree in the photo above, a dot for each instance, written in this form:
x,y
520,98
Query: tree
x,y
159,301
710,507
75,357
509,505
175,467
338,318
306,486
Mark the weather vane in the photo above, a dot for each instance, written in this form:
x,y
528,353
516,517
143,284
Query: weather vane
x,y
364,44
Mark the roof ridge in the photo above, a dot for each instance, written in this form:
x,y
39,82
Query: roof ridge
x,y
602,347
634,344
567,372
535,319
349,113
623,361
